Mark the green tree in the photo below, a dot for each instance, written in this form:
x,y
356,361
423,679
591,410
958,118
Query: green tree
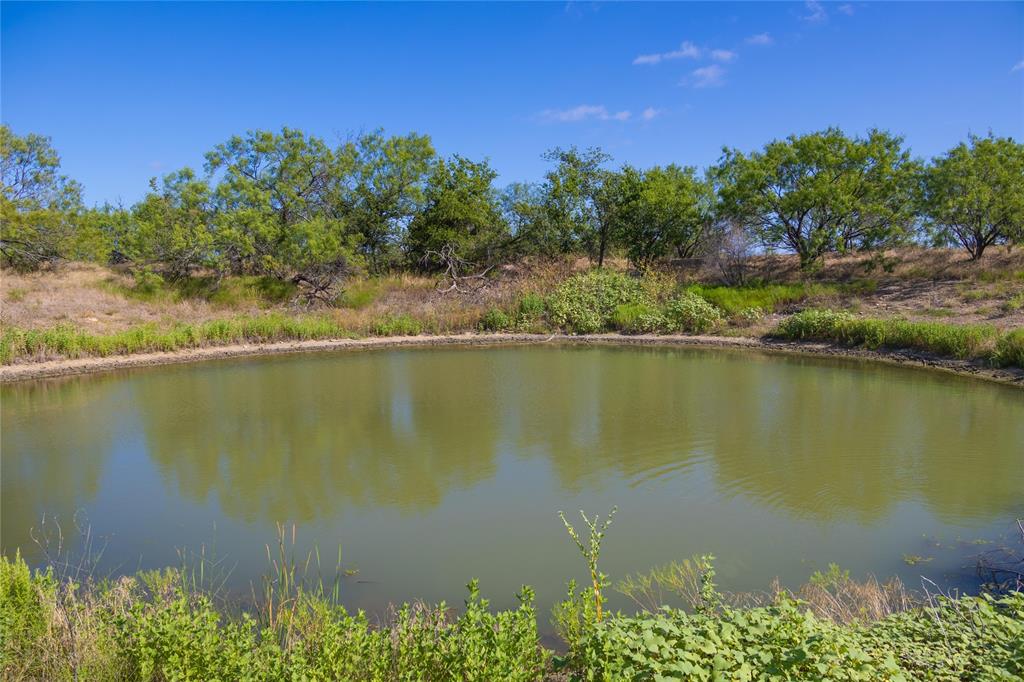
x,y
662,210
38,205
822,192
461,211
577,207
278,209
385,189
974,194
174,225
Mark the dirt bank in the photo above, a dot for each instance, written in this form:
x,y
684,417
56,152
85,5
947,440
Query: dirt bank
x,y
58,368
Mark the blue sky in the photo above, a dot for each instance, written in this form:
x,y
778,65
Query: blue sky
x,y
129,91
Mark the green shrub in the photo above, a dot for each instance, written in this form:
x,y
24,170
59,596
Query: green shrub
x,y
637,318
397,325
691,313
973,638
530,307
148,284
586,303
495,320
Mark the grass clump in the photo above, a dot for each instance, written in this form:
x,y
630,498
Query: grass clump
x,y
733,300
397,325
950,340
637,318
1009,350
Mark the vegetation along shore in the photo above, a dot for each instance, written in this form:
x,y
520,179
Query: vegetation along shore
x,y
64,622
283,238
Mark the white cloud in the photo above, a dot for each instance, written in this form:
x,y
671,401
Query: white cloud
x,y
710,76
1019,66
846,9
686,51
723,55
650,113
815,12
584,112
760,39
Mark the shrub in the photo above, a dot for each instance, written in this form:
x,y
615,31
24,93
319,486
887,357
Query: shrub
x,y
969,638
637,318
691,313
495,320
586,303
530,307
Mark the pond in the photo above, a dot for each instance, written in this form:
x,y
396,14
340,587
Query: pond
x,y
429,467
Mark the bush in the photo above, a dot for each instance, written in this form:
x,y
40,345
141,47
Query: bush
x,y
530,307
495,320
691,313
586,303
976,638
156,629
637,318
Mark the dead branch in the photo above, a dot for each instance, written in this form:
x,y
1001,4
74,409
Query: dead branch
x,y
453,278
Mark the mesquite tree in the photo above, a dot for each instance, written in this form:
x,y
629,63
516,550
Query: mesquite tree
x,y
822,192
974,194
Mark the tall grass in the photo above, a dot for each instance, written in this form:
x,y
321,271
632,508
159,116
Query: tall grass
x,y
768,297
962,341
69,342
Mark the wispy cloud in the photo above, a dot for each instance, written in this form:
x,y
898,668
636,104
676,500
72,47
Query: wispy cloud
x,y
584,112
815,12
650,113
846,9
761,39
1019,66
710,76
723,55
686,51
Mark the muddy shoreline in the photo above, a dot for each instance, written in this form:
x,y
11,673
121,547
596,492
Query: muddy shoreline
x,y
60,368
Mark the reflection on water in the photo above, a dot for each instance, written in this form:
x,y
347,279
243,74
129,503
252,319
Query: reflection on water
x,y
477,449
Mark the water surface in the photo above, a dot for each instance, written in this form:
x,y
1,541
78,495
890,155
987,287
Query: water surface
x,y
433,466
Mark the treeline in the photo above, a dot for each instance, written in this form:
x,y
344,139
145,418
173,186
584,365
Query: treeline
x,y
289,205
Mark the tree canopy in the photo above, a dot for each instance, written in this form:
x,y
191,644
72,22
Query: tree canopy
x,y
974,194
822,192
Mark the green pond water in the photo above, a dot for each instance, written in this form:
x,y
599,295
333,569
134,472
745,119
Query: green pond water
x,y
430,467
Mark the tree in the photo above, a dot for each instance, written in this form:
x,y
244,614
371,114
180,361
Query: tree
x,y
974,194
460,211
278,212
821,192
662,210
385,189
578,213
523,207
270,183
174,225
37,204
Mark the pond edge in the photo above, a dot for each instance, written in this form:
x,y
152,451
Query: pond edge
x,y
68,367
